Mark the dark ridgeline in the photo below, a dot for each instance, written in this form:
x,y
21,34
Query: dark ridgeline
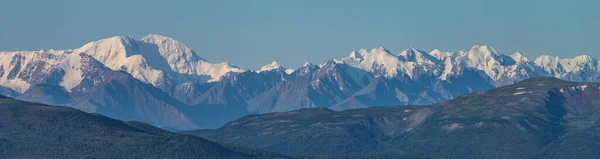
x,y
31,130
540,117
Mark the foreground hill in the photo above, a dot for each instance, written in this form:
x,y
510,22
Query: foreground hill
x,y
539,117
31,130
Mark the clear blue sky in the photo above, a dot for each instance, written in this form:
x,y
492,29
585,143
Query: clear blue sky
x,y
250,34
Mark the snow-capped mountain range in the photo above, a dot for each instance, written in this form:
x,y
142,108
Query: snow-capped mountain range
x,y
161,81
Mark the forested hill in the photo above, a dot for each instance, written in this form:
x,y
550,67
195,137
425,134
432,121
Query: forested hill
x,y
31,130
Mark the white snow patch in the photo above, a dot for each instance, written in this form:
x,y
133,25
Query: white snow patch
x,y
523,92
289,71
480,123
272,66
16,84
73,75
519,93
19,60
583,87
453,126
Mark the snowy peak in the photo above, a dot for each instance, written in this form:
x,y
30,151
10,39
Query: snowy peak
x,y
547,61
568,64
308,64
362,53
483,50
380,62
482,57
171,49
550,64
414,55
356,56
440,55
289,71
519,58
153,57
111,51
579,63
380,50
272,66
583,59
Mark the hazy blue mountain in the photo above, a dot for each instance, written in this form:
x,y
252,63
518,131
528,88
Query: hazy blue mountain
x,y
311,86
539,117
214,104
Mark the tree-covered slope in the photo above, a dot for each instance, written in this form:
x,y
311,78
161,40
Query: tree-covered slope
x,y
31,130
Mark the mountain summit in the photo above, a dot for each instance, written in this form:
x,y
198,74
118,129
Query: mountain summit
x,y
154,58
159,80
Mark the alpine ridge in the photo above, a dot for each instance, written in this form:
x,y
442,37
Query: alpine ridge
x,y
159,80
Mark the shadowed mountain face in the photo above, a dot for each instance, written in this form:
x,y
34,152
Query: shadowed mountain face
x,y
538,117
31,130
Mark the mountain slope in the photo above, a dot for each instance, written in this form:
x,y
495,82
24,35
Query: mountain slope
x,y
120,77
31,130
311,86
112,93
159,80
514,121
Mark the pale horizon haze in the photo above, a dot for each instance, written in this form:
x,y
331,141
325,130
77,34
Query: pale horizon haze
x,y
250,34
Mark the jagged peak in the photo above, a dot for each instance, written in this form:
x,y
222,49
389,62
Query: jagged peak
x,y
547,60
483,49
307,64
355,55
483,56
289,71
556,59
171,47
380,49
118,40
410,50
415,55
583,58
518,57
439,54
363,52
271,66
158,37
579,62
547,57
109,47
